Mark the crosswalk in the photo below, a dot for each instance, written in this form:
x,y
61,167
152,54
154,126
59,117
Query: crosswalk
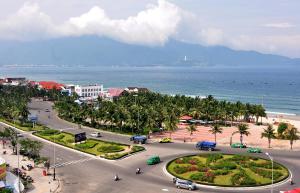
x,y
71,162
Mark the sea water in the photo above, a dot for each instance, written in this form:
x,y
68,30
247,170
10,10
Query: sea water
x,y
278,89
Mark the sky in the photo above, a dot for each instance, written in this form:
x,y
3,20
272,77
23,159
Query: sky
x,y
268,26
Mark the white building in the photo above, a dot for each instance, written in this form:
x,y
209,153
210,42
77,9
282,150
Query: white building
x,y
88,91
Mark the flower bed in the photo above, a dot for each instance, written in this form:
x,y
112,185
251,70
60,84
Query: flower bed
x,y
226,170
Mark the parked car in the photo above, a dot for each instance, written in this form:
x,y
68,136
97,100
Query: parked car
x,y
139,139
206,145
20,135
238,145
254,150
165,140
186,184
153,160
96,134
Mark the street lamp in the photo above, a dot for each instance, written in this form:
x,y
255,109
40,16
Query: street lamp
x,y
271,158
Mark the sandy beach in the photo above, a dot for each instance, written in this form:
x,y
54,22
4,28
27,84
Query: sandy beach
x,y
253,140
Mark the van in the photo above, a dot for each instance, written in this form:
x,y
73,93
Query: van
x,y
206,145
186,184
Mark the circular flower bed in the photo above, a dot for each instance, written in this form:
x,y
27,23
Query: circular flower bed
x,y
227,170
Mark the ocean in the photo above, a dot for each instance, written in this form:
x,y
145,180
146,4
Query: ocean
x,y
277,89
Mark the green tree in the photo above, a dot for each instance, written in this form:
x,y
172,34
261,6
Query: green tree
x,y
215,130
243,130
282,127
269,133
292,135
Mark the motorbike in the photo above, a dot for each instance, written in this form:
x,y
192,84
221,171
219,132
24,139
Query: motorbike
x,y
138,171
116,178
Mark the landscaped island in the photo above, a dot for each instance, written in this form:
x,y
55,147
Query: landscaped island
x,y
227,170
105,149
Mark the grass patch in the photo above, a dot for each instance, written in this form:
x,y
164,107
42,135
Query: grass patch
x,y
226,170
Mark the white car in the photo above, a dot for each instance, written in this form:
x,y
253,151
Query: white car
x,y
95,134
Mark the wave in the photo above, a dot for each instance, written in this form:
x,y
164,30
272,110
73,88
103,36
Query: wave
x,y
280,113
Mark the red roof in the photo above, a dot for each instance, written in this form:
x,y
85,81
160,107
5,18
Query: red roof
x,y
48,85
186,117
115,92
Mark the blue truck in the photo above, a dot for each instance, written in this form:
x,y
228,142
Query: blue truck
x,y
206,145
139,139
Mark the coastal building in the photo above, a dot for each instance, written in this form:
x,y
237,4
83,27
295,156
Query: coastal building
x,y
136,89
112,93
89,91
14,81
49,85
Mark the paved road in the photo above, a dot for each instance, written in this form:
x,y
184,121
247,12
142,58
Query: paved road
x,y
81,174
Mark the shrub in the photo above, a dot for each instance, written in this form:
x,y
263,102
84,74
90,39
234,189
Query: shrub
x,y
86,145
205,177
110,148
220,172
240,158
242,179
179,161
213,157
266,165
226,165
180,169
281,128
57,137
266,173
192,168
48,132
203,169
193,161
137,148
197,176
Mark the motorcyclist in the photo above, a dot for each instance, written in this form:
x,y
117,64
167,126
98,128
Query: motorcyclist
x,y
116,177
138,171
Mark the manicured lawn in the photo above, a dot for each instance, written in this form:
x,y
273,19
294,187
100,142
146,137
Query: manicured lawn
x,y
24,127
226,170
108,150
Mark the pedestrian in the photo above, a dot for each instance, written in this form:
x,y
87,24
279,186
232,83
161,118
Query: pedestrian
x,y
291,181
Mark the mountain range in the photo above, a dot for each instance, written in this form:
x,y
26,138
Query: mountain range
x,y
94,50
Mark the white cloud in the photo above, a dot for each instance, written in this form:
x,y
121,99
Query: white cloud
x,y
211,36
279,25
151,26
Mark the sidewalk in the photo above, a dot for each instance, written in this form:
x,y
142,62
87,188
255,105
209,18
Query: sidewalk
x,y
41,184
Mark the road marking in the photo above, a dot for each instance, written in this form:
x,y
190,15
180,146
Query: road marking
x,y
71,162
165,190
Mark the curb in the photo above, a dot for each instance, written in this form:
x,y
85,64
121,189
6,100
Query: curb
x,y
232,188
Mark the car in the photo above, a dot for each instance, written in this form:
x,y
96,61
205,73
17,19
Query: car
x,y
139,139
238,145
206,145
186,184
96,134
20,135
153,160
254,150
165,140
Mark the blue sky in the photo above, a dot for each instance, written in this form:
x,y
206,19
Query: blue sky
x,y
268,26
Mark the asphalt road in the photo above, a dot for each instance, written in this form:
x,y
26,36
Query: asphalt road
x,y
82,174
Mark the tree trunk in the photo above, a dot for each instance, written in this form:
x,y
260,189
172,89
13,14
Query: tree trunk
x,y
215,138
269,140
241,139
291,142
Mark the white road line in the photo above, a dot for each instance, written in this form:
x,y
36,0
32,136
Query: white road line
x,y
71,162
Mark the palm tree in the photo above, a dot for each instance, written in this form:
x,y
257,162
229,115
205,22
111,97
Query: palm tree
x,y
215,130
292,135
191,128
243,130
268,133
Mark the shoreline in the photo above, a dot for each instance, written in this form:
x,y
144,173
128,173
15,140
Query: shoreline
x,y
283,116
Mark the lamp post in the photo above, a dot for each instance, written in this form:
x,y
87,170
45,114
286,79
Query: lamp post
x,y
271,158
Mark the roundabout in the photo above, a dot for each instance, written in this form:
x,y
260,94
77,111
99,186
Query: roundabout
x,y
228,171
